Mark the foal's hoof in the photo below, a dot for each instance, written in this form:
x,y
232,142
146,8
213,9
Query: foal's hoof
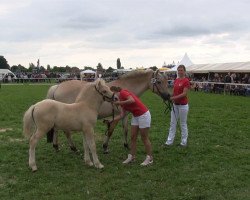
x,y
99,166
34,169
89,163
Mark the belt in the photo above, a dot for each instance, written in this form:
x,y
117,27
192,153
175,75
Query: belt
x,y
180,104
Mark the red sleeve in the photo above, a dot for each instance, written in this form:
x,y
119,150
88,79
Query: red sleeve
x,y
186,84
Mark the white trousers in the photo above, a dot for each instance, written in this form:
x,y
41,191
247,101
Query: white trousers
x,y
178,112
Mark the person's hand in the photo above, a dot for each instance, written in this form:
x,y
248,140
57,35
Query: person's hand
x,y
117,103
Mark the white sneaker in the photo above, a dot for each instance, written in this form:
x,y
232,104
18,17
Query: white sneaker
x,y
147,161
129,159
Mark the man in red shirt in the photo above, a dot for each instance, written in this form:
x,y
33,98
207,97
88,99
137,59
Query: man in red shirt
x,y
140,122
180,107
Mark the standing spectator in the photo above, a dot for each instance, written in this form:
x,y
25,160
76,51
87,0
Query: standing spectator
x,y
180,107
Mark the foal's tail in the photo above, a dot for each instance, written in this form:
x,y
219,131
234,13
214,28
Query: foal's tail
x,y
28,122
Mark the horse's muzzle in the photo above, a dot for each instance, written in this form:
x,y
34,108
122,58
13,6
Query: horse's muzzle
x,y
165,96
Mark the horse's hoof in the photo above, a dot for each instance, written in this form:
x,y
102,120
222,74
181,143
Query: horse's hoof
x,y
126,145
73,149
56,147
105,151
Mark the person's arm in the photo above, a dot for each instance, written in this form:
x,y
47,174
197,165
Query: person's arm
x,y
183,94
121,115
129,100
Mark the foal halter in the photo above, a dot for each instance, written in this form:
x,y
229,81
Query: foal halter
x,y
111,99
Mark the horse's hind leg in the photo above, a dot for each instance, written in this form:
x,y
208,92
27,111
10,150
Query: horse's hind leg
x,y
125,131
108,136
32,151
87,159
89,135
55,140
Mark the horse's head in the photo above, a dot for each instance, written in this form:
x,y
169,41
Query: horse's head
x,y
104,90
159,85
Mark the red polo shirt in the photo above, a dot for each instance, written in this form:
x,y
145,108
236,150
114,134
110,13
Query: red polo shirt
x,y
179,85
137,108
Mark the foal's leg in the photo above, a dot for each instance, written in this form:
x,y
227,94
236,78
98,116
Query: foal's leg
x,y
108,136
86,152
70,141
125,131
32,151
89,135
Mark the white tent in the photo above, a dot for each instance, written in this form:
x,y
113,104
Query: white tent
x,y
184,61
6,72
87,73
220,67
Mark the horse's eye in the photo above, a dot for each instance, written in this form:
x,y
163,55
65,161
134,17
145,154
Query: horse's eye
x,y
104,92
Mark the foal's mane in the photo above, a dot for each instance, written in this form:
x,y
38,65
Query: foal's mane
x,y
135,74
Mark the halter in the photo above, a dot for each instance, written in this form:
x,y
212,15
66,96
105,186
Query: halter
x,y
105,96
166,98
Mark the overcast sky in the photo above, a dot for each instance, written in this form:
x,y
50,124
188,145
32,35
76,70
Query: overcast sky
x,y
139,32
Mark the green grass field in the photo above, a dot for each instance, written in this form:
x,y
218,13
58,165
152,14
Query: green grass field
x,y
215,165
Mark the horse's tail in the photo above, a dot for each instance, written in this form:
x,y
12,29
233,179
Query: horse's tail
x,y
28,122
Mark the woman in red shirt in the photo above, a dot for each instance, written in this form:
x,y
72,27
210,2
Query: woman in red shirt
x,y
180,107
140,122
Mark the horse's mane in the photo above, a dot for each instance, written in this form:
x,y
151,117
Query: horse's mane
x,y
135,74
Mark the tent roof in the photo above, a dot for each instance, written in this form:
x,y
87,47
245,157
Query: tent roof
x,y
88,71
3,72
185,61
220,67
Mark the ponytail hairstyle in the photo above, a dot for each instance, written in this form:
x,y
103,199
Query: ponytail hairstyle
x,y
115,88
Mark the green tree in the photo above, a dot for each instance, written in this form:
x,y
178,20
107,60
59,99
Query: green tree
x,y
48,68
3,63
118,63
110,70
99,67
154,68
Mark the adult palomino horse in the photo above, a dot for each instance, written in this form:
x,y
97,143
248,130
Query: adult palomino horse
x,y
79,116
136,81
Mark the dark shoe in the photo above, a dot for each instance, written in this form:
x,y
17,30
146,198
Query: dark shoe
x,y
183,145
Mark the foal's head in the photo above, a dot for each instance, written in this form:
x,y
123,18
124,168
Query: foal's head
x,y
159,85
104,90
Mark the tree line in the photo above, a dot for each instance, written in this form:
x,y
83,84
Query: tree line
x,y
32,67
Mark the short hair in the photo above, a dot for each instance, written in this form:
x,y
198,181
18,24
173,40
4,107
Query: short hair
x,y
181,66
115,88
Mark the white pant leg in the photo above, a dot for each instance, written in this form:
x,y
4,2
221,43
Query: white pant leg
x,y
183,113
173,123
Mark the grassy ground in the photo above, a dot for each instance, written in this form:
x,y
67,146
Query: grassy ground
x,y
214,166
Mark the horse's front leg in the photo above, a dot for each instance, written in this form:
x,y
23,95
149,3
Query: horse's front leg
x,y
87,159
125,131
108,136
89,135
